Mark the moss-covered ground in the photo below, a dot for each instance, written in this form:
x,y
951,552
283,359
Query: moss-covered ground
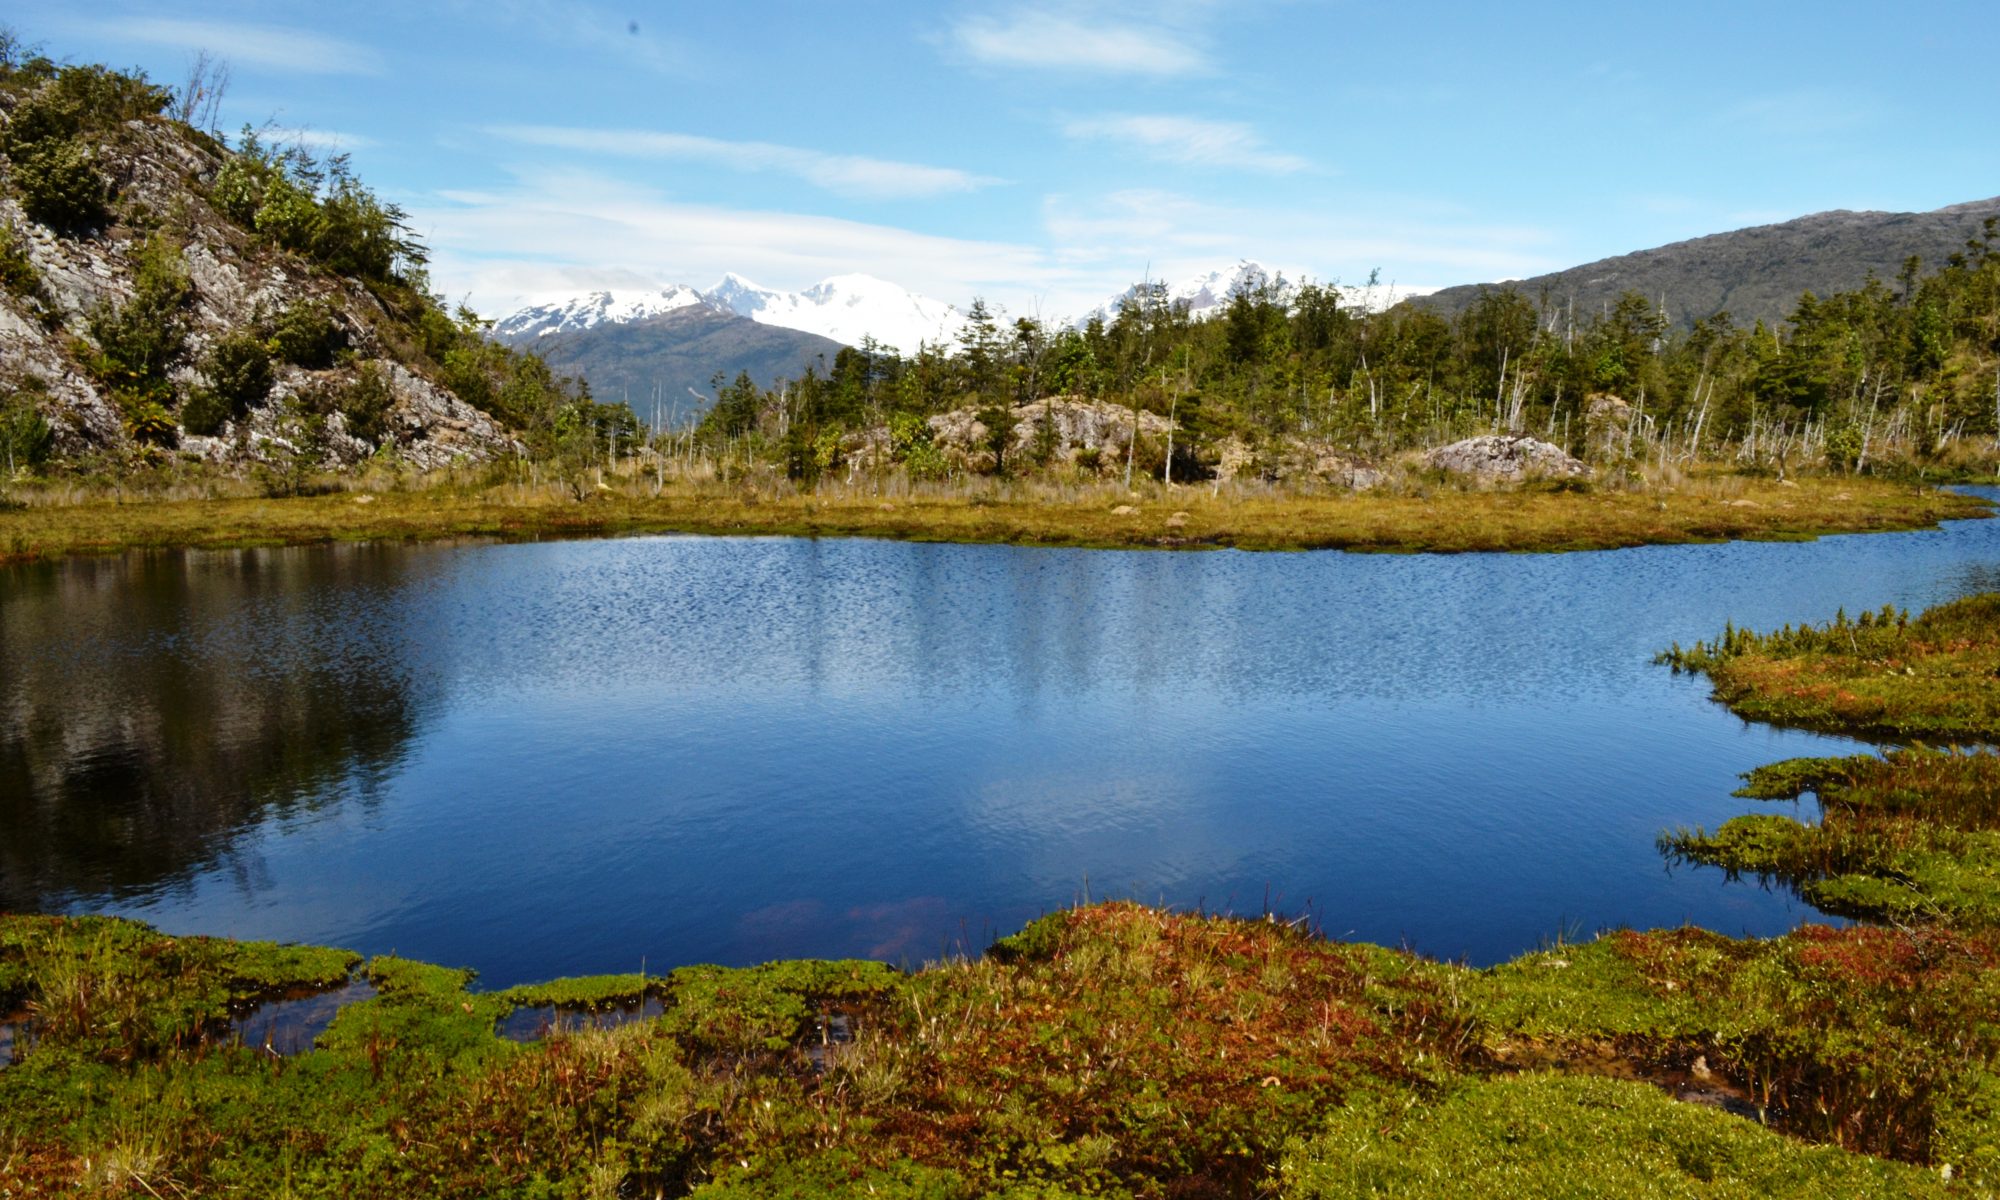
x,y
1908,835
1107,1050
1709,506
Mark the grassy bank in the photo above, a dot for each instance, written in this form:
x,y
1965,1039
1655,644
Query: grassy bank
x,y
1702,507
1911,835
1109,1050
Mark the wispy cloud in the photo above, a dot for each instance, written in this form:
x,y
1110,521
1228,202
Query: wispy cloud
x,y
273,46
1188,141
1342,239
844,174
314,139
505,247
1039,38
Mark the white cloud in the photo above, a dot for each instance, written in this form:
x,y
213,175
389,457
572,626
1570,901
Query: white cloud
x,y
518,245
1187,141
270,46
314,139
555,234
847,175
1042,39
1130,232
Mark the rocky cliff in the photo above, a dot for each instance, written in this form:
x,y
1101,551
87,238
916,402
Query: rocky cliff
x,y
163,296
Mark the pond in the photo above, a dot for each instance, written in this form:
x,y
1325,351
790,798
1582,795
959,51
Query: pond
x,y
540,759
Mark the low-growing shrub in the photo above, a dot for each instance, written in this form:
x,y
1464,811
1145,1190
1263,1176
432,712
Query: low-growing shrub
x,y
60,186
364,404
239,376
25,437
308,335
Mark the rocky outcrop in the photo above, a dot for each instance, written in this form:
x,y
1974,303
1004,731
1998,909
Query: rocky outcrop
x,y
162,172
1073,431
1501,458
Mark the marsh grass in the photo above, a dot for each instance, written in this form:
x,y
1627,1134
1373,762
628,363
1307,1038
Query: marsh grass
x,y
1416,517
1910,835
1109,1049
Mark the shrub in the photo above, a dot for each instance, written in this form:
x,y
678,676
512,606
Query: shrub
x,y
239,376
308,335
60,187
25,437
148,423
364,404
17,271
139,340
206,413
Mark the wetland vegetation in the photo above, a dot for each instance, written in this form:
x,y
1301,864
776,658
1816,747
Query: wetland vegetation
x,y
1434,515
1121,1049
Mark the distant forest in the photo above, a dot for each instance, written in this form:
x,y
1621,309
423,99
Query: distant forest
x,y
1901,372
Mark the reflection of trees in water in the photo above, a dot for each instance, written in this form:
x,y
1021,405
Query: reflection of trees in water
x,y
153,708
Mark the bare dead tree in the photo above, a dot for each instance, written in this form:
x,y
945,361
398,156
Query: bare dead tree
x,y
199,99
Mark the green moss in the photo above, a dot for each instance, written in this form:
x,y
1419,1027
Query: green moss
x,y
1551,1136
590,993
743,1010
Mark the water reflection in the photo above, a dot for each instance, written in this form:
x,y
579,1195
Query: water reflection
x,y
154,707
581,757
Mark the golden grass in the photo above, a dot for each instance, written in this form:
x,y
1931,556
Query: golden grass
x,y
1700,507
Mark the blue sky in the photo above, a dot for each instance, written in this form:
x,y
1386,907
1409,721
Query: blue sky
x,y
1045,154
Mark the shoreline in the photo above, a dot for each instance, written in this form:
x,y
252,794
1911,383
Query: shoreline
x,y
1532,519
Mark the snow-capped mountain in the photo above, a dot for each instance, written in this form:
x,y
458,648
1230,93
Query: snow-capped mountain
x,y
1208,294
846,308
593,308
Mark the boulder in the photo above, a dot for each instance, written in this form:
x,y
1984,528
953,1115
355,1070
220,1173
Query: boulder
x,y
1504,458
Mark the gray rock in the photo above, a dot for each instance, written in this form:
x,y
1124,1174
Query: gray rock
x,y
1506,458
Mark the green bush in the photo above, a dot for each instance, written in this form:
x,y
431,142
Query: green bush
x,y
17,271
25,437
45,141
60,187
139,340
364,404
239,376
149,423
206,413
308,335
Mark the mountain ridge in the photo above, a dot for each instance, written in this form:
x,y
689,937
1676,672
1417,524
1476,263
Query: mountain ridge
x,y
1754,273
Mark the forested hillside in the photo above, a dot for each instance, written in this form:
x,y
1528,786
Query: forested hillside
x,y
1902,372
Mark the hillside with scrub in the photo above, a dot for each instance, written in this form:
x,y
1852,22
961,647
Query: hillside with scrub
x,y
175,304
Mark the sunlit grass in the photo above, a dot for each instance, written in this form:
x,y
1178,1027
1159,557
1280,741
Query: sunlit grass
x,y
1417,515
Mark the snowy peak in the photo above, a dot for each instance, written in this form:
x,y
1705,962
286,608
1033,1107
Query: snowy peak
x,y
594,308
846,308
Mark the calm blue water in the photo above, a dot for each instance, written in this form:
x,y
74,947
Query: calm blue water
x,y
546,759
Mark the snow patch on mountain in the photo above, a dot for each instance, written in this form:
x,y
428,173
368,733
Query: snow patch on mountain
x,y
846,308
594,308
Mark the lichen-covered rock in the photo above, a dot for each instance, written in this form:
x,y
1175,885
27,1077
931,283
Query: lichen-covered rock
x,y
1506,458
1303,460
1058,431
